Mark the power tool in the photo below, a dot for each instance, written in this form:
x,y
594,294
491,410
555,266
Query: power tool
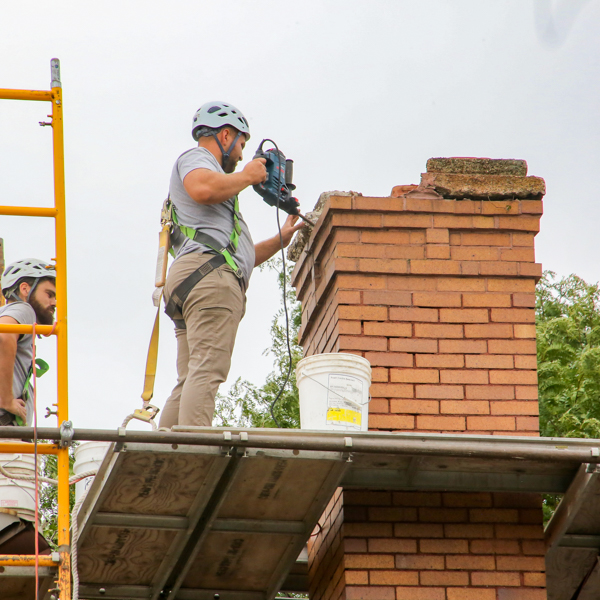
x,y
277,189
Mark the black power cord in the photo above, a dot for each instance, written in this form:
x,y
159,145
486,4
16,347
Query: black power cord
x,y
285,309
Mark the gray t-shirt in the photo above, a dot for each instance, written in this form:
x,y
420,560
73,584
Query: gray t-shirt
x,y
23,313
215,220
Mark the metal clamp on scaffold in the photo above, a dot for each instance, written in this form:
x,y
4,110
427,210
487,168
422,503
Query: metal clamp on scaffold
x,y
66,434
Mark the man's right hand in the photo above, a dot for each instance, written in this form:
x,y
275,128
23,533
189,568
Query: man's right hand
x,y
16,406
256,171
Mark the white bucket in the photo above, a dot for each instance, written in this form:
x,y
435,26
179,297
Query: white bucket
x,y
88,457
16,495
334,392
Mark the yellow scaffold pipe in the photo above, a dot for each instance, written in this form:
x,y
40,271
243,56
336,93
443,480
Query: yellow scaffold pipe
x,y
26,560
16,448
20,329
27,211
25,95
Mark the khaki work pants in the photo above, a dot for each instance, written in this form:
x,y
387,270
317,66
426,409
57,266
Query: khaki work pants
x,y
212,312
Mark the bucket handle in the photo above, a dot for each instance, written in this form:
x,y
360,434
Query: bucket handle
x,y
334,392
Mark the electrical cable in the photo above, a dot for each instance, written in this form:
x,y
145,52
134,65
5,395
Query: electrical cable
x,y
285,309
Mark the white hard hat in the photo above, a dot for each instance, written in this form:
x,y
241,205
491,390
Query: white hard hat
x,y
218,114
28,267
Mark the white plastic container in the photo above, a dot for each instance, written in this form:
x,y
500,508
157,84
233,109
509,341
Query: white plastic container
x,y
88,457
18,496
334,392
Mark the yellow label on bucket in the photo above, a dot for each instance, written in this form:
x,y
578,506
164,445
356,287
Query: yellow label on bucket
x,y
344,415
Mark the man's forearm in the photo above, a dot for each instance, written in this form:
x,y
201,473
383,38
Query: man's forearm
x,y
264,250
209,187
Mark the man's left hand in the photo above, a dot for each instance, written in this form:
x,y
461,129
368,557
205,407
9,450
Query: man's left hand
x,y
289,228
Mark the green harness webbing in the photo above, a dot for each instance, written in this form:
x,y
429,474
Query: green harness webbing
x,y
41,368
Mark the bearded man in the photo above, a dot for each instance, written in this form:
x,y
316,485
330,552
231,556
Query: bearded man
x,y
29,288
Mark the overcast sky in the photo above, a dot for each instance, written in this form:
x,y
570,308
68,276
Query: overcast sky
x,y
359,94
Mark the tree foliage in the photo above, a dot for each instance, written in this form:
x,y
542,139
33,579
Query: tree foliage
x,y
568,344
248,405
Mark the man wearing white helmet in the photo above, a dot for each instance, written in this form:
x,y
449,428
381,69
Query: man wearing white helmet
x,y
28,286
205,291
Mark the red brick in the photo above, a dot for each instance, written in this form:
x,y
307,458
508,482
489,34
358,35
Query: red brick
x,y
519,222
524,331
491,423
531,515
470,268
514,377
522,239
349,342
416,407
475,253
389,359
490,361
401,282
417,237
419,561
464,315
418,530
521,594
510,285
444,546
387,298
394,578
418,499
468,531
467,499
530,270
528,423
444,578
471,593
490,392
394,546
527,361
438,330
490,330
461,284
495,547
443,515
534,579
494,515
370,497
521,563
484,222
388,329
464,346
479,563
368,561
392,513
415,375
531,532
496,579
443,392
487,300
437,236
353,592
434,267
356,219
513,315
517,500
453,222
391,390
370,530
408,220
379,374
437,251
438,299
526,392
413,345
355,545
534,547
349,327
440,360
512,347
414,314
517,254
463,376
464,407
532,206
514,408
384,237
419,593
486,239
358,250
361,313
388,422
360,282
348,297
439,423
357,577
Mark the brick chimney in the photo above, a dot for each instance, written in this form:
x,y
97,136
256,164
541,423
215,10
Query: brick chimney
x,y
435,286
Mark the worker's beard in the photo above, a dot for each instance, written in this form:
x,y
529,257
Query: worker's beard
x,y
43,316
230,165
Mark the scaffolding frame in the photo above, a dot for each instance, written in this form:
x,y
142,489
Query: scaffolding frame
x,y
54,96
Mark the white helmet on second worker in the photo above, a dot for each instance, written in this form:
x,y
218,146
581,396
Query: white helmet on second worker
x,y
218,114
26,268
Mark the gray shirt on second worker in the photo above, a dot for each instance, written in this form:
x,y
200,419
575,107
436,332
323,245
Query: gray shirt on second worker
x,y
215,220
22,313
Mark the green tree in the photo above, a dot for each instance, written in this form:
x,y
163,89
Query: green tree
x,y
568,345
248,405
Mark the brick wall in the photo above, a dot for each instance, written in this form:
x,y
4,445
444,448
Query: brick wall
x,y
438,293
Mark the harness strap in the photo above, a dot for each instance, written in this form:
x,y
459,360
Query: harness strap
x,y
174,307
